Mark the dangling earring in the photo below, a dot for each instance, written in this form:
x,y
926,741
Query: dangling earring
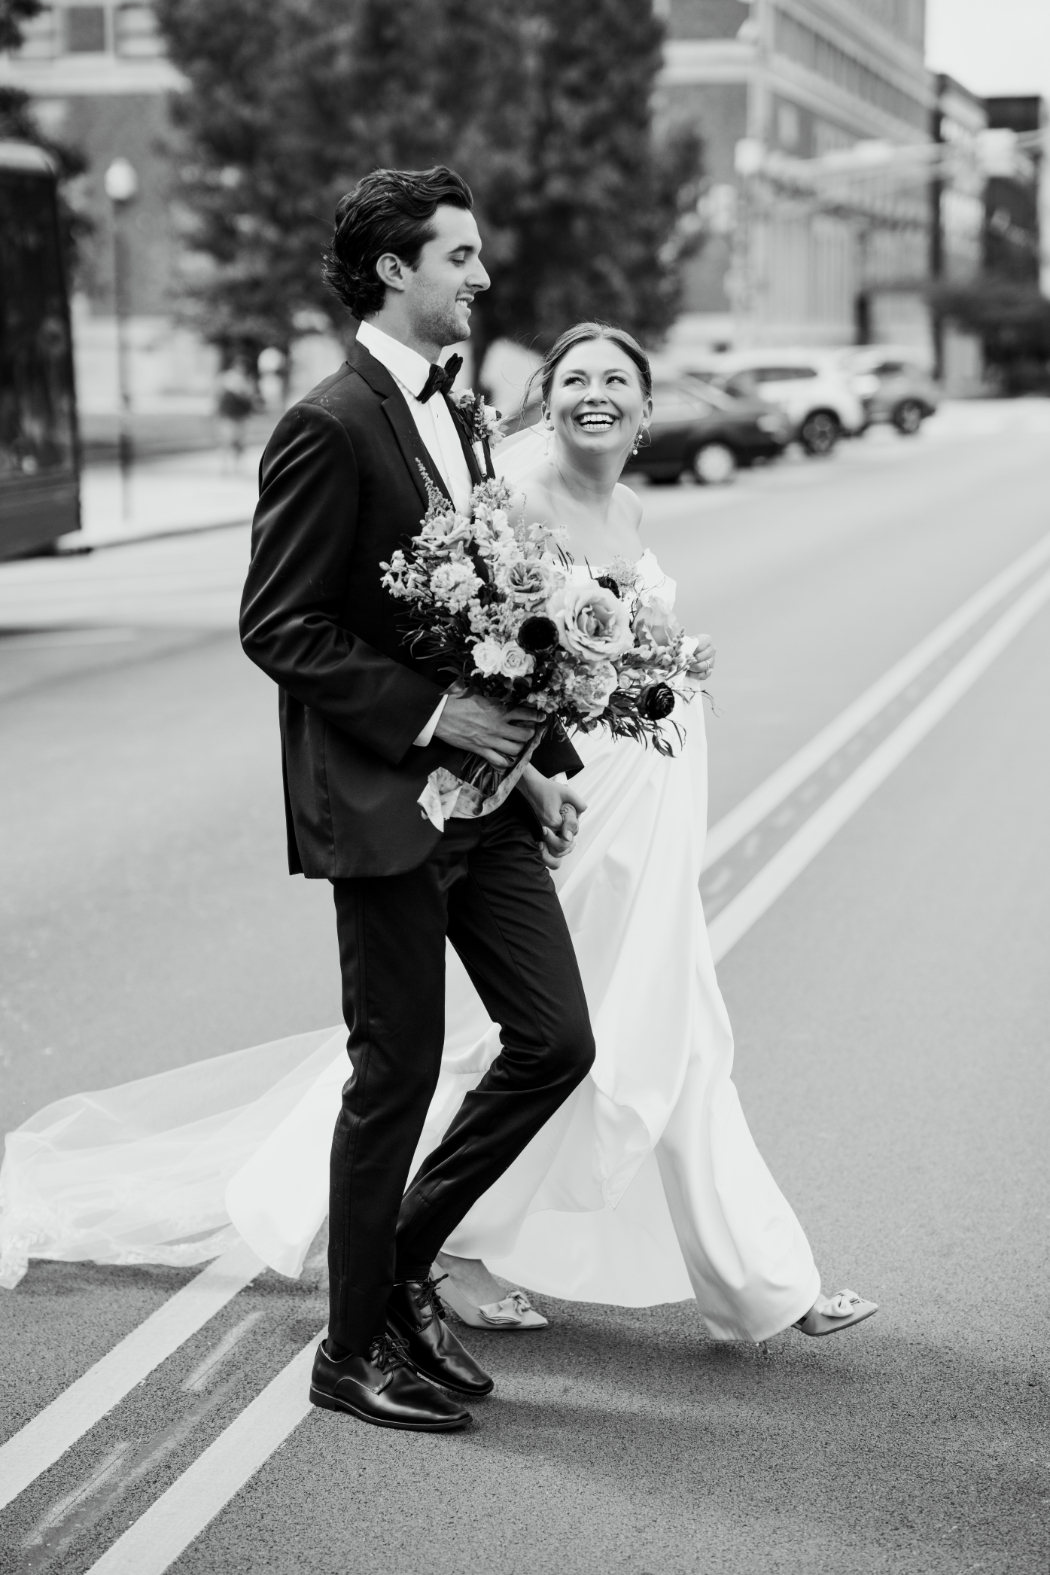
x,y
636,445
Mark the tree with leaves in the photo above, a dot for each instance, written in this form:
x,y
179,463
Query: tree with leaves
x,y
545,108
266,136
542,106
584,230
14,14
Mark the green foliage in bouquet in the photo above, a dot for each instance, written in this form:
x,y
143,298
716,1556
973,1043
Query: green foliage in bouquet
x,y
498,604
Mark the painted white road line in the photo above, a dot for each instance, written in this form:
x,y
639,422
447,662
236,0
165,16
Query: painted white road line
x,y
753,809
175,1519
36,1447
181,1513
153,1543
759,895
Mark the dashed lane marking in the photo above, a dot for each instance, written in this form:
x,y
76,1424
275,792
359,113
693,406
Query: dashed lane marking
x,y
153,1543
178,1516
755,808
199,1378
759,895
36,1447
77,1514
162,1534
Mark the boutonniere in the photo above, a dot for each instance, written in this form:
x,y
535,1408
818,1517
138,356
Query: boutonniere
x,y
482,420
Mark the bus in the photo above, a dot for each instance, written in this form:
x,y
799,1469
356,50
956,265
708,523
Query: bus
x,y
39,448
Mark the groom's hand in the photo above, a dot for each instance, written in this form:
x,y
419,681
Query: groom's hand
x,y
557,806
484,728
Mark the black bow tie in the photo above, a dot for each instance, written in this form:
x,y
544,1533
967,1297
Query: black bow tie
x,y
441,378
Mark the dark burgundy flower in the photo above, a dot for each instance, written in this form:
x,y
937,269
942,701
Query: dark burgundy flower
x,y
607,583
537,633
656,702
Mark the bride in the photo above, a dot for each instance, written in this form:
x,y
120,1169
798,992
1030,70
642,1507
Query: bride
x,y
646,1186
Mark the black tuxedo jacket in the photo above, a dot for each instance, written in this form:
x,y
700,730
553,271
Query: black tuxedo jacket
x,y
339,490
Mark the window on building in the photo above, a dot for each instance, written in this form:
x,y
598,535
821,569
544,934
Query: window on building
x,y
705,18
789,126
137,33
819,54
85,30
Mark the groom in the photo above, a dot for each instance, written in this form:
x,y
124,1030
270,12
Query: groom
x,y
364,721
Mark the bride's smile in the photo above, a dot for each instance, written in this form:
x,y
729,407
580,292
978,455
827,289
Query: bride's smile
x,y
596,404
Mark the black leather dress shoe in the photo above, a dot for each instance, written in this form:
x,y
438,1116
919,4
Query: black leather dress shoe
x,y
415,1315
382,1388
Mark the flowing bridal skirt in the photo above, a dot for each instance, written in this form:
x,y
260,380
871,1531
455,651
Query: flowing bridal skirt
x,y
646,1187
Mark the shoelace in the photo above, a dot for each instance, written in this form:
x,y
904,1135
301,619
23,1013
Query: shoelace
x,y
432,1299
387,1353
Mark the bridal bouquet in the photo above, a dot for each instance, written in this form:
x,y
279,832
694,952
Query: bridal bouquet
x,y
499,604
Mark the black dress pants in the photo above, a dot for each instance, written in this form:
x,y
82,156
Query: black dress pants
x,y
487,889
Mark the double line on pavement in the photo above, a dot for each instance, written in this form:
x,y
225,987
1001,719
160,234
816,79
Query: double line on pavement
x,y
44,1440
174,1520
771,793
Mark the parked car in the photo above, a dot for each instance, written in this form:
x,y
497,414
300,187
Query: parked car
x,y
809,386
892,386
699,430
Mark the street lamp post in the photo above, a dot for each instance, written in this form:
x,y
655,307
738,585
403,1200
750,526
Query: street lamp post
x,y
121,184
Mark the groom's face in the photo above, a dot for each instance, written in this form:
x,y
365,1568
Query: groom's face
x,y
448,275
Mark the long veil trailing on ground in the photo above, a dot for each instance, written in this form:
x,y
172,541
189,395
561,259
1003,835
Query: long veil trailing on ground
x,y
645,1187
149,1172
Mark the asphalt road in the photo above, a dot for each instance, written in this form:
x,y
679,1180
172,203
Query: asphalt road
x,y
891,1011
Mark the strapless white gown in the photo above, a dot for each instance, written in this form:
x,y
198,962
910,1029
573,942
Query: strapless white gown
x,y
646,1187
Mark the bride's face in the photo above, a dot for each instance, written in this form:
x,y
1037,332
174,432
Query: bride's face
x,y
596,400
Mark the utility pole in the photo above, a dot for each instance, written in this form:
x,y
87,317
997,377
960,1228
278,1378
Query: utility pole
x,y
121,185
936,256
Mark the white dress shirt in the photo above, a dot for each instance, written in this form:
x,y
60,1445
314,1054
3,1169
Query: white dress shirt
x,y
437,430
434,422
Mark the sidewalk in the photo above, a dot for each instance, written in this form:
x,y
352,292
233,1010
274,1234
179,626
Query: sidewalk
x,y
171,496
975,418
200,491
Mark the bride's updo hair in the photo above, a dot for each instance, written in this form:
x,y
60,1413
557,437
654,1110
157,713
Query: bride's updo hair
x,y
580,334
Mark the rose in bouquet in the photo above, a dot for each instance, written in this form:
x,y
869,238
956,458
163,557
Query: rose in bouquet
x,y
504,612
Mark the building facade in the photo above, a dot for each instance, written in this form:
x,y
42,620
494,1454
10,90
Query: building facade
x,y
806,79
843,255
1016,203
100,81
957,222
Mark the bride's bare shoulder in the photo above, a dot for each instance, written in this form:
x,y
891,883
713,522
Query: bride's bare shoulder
x,y
628,503
536,502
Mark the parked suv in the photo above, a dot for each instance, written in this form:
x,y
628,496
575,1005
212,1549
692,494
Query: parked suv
x,y
700,431
809,386
892,387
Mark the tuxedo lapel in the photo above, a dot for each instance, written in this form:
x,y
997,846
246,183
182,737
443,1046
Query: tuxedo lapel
x,y
412,446
413,450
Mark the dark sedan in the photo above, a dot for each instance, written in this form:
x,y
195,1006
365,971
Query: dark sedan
x,y
698,430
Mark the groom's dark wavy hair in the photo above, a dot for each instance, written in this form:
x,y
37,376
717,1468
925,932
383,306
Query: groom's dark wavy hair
x,y
387,211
